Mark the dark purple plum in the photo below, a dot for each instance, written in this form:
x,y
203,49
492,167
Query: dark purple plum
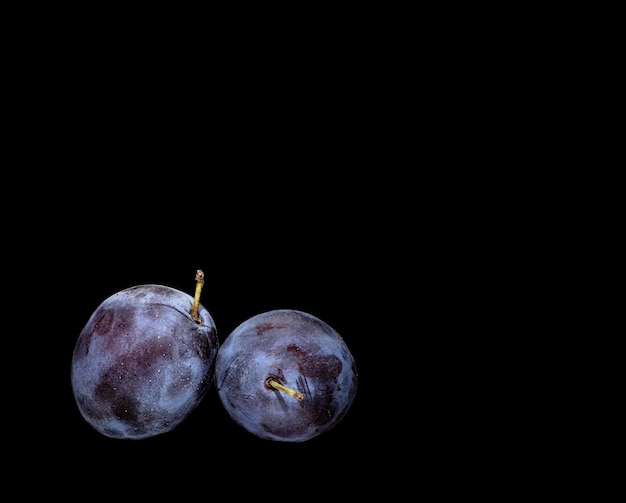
x,y
285,375
144,361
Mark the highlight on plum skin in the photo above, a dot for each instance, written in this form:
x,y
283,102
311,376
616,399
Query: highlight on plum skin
x,y
285,375
144,361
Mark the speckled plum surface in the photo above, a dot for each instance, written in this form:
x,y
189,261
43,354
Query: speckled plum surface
x,y
303,353
141,364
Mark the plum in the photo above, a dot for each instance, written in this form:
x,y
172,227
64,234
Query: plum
x,y
144,361
285,375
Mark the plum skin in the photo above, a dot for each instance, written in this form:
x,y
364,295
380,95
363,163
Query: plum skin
x,y
303,353
141,364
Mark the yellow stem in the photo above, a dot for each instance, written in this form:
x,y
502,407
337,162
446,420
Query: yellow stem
x,y
196,299
274,384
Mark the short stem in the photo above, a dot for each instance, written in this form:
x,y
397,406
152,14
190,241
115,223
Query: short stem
x,y
272,383
196,299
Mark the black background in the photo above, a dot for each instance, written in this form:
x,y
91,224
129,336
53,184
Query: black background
x,y
350,181
329,180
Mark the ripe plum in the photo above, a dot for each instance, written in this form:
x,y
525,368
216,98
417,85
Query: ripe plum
x,y
144,361
285,375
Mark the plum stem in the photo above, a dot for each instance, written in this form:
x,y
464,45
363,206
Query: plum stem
x,y
196,298
273,384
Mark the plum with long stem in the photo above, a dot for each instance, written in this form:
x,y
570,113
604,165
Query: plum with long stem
x,y
144,360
